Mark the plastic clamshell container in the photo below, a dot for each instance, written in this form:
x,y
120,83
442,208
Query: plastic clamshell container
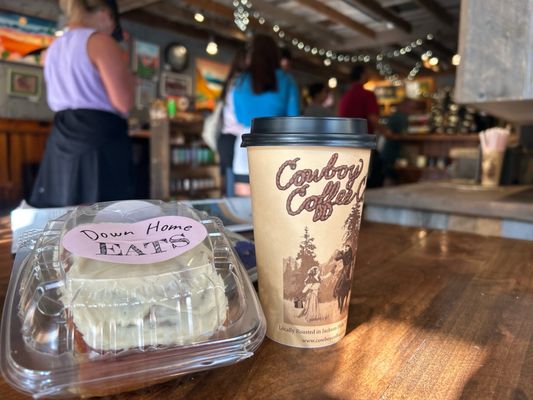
x,y
71,329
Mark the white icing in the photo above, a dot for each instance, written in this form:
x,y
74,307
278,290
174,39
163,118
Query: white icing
x,y
123,306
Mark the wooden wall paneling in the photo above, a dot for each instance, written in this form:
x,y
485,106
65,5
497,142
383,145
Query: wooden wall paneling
x,y
4,163
22,143
15,161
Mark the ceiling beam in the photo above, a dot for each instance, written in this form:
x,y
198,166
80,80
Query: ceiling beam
x,y
45,9
166,16
438,47
375,8
147,17
130,5
325,36
208,6
334,15
185,18
438,11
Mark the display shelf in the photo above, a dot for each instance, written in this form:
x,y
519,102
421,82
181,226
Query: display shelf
x,y
169,166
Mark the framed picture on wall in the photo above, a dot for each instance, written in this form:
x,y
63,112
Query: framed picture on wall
x,y
145,59
145,93
24,83
175,85
210,78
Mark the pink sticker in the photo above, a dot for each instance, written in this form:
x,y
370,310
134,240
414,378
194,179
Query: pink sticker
x,y
145,242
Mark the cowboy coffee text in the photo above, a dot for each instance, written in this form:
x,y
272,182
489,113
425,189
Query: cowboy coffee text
x,y
339,189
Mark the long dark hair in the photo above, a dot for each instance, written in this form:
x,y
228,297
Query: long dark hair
x,y
237,66
264,61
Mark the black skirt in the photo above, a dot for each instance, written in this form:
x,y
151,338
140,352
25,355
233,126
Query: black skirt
x,y
226,148
87,160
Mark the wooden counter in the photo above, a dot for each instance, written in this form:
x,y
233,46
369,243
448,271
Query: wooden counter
x,y
433,315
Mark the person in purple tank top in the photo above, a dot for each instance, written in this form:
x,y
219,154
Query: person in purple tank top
x,y
90,89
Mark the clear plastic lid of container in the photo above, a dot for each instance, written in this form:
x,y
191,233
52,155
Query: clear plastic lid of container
x,y
117,296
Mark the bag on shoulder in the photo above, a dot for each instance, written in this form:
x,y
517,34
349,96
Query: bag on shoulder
x,y
213,126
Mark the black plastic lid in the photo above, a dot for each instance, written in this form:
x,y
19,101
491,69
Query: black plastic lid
x,y
309,131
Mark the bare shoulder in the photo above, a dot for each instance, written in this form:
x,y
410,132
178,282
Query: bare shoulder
x,y
100,44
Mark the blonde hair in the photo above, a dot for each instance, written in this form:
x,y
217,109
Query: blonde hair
x,y
75,10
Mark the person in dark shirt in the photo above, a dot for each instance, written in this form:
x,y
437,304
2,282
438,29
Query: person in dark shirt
x,y
358,102
318,93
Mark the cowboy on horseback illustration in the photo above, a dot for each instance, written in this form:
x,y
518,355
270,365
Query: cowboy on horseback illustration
x,y
343,284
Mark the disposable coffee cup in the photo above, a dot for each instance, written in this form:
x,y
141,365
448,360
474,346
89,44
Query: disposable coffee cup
x,y
307,178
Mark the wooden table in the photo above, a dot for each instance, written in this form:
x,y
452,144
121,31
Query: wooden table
x,y
433,315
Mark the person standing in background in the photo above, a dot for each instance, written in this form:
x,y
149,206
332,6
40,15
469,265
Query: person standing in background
x,y
318,93
263,90
286,60
358,102
90,89
230,127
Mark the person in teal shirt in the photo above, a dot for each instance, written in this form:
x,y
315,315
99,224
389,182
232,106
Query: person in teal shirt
x,y
263,90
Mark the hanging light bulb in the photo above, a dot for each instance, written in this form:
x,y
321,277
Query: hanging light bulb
x,y
456,59
212,47
199,17
327,62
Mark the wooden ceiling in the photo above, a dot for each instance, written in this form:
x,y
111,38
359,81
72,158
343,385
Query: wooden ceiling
x,y
343,26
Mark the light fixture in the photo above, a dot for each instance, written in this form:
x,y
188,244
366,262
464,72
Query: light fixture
x,y
433,61
261,20
275,28
429,36
199,17
332,83
456,59
327,62
212,47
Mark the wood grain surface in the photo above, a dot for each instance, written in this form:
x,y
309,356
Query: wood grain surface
x,y
433,315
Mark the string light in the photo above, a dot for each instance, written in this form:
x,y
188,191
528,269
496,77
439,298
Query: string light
x,y
244,12
199,17
332,83
433,61
241,16
414,71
